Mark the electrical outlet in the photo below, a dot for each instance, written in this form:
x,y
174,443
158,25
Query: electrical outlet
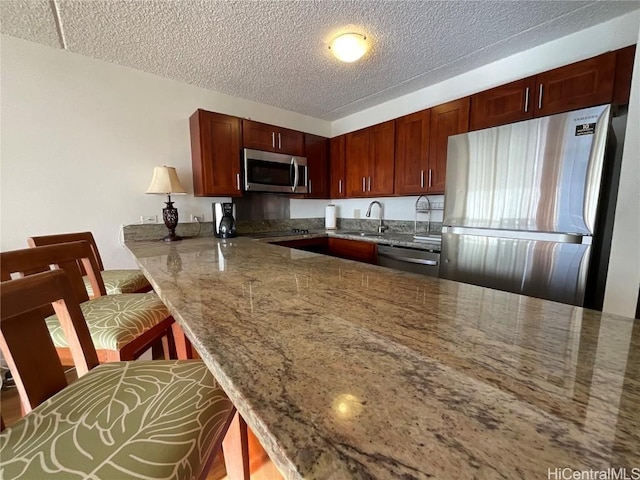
x,y
197,217
356,213
148,219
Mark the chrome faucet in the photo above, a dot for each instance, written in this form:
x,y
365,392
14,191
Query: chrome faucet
x,y
381,228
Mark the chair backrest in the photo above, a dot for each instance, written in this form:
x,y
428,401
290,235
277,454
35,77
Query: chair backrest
x,y
43,240
24,337
66,256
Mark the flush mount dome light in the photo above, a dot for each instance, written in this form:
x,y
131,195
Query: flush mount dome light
x,y
349,47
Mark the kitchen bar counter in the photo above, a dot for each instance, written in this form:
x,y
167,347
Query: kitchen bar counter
x,y
345,370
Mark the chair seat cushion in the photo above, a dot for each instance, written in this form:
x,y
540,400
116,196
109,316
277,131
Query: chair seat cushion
x,y
120,281
115,320
141,419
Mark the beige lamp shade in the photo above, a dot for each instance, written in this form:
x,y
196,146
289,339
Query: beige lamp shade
x,y
165,180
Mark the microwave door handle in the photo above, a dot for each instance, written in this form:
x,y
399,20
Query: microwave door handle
x,y
296,174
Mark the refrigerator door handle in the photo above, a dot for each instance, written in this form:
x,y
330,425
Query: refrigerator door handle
x,y
521,234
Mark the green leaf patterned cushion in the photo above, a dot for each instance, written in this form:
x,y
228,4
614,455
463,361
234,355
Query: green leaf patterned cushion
x,y
120,281
141,419
115,320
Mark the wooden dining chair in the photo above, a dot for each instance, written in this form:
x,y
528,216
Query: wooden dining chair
x,y
115,281
142,419
122,326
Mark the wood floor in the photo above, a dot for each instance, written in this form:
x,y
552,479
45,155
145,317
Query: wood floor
x,y
261,466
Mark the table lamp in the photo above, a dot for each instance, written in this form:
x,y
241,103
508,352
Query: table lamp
x,y
165,181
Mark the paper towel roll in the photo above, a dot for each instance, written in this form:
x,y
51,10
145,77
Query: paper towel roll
x,y
330,217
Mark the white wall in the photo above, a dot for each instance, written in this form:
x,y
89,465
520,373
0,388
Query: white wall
x,y
623,280
80,138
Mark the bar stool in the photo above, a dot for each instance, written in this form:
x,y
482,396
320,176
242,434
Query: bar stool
x,y
115,281
142,419
122,326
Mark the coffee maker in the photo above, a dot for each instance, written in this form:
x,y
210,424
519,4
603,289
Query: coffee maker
x,y
224,220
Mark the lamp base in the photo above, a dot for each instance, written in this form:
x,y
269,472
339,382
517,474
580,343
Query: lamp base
x,y
170,217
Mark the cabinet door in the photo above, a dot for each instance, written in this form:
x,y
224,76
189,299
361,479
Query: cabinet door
x,y
624,71
258,136
337,164
215,154
412,153
317,151
353,250
290,142
579,85
447,119
508,103
381,159
357,162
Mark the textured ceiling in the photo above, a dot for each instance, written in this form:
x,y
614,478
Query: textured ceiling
x,y
275,52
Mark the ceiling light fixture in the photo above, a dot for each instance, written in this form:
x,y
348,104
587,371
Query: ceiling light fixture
x,y
349,47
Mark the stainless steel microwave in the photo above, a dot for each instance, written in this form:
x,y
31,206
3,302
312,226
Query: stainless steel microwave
x,y
274,172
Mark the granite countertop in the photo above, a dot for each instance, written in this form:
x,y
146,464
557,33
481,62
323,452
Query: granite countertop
x,y
346,370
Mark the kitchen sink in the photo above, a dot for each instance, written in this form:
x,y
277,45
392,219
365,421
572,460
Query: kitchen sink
x,y
363,234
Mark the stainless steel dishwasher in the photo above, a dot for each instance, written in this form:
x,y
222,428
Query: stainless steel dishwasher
x,y
425,262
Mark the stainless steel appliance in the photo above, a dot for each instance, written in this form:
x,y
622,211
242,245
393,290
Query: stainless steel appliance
x,y
274,172
224,221
522,203
412,260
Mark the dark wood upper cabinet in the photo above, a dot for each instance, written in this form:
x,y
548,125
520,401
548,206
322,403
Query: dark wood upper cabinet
x,y
447,119
370,160
261,136
581,84
337,164
215,154
412,153
381,162
624,71
317,152
357,162
508,103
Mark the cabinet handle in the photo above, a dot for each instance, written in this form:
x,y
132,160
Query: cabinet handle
x,y
540,98
279,142
364,185
339,186
369,187
526,100
238,180
310,186
273,140
421,178
430,177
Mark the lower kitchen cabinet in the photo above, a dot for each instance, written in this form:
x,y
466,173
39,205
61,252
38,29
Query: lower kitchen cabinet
x,y
366,252
353,250
317,245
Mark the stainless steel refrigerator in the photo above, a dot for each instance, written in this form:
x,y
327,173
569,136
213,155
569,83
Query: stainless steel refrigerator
x,y
523,206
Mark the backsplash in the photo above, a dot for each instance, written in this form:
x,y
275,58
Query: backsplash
x,y
157,231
